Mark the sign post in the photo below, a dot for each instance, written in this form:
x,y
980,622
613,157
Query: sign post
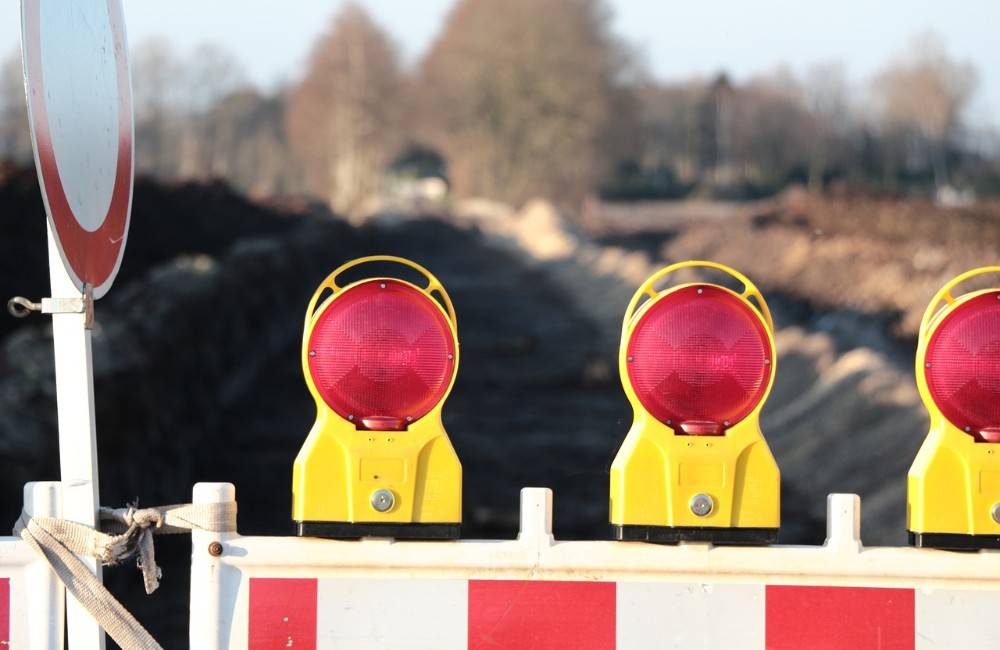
x,y
77,434
79,94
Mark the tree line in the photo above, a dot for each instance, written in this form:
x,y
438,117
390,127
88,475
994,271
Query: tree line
x,y
517,98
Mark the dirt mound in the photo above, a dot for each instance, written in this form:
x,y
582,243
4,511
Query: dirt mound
x,y
881,257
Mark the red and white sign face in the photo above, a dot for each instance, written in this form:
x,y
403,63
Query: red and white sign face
x,y
80,108
441,614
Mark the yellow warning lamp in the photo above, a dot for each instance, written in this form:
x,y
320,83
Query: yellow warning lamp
x,y
697,362
379,357
953,487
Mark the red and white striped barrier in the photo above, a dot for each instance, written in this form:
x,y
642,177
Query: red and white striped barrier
x,y
538,594
326,613
32,600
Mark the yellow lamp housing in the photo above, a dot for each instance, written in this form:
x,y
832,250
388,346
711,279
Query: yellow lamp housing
x,y
953,487
380,357
697,362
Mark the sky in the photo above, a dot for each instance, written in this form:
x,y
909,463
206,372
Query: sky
x,y
676,39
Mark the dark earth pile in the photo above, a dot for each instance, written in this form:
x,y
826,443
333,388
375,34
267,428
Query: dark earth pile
x,y
198,374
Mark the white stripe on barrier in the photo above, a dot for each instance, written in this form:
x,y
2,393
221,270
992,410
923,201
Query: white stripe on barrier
x,y
948,619
415,614
685,615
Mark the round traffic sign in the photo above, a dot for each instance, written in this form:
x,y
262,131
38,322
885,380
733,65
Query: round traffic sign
x,y
80,108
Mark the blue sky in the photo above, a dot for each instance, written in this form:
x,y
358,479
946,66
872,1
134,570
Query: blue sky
x,y
677,39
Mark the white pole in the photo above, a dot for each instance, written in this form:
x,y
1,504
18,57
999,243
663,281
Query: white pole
x,y
46,600
77,437
210,621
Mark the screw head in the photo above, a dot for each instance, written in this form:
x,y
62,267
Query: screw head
x,y
312,353
995,512
382,500
701,291
381,285
215,549
702,505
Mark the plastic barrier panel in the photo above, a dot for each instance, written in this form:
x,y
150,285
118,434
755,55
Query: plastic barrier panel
x,y
32,600
536,593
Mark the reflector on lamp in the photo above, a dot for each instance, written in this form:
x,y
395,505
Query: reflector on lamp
x,y
697,362
953,486
379,357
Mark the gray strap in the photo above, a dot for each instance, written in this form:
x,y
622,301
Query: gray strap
x,y
129,534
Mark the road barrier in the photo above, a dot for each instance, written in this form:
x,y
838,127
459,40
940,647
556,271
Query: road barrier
x,y
536,592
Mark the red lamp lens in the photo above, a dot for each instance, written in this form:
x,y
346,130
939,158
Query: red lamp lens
x,y
962,366
699,360
382,354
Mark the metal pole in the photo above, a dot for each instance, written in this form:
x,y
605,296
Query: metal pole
x,y
77,437
46,599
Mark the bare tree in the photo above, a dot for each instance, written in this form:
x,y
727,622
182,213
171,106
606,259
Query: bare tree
x,y
770,126
196,117
826,93
733,139
210,75
156,77
925,92
343,119
524,97
15,138
248,142
668,118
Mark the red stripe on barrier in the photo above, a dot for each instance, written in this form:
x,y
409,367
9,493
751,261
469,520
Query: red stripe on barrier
x,y
838,618
282,613
541,615
5,611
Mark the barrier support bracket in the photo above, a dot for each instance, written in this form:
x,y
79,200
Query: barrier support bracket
x,y
536,517
843,523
